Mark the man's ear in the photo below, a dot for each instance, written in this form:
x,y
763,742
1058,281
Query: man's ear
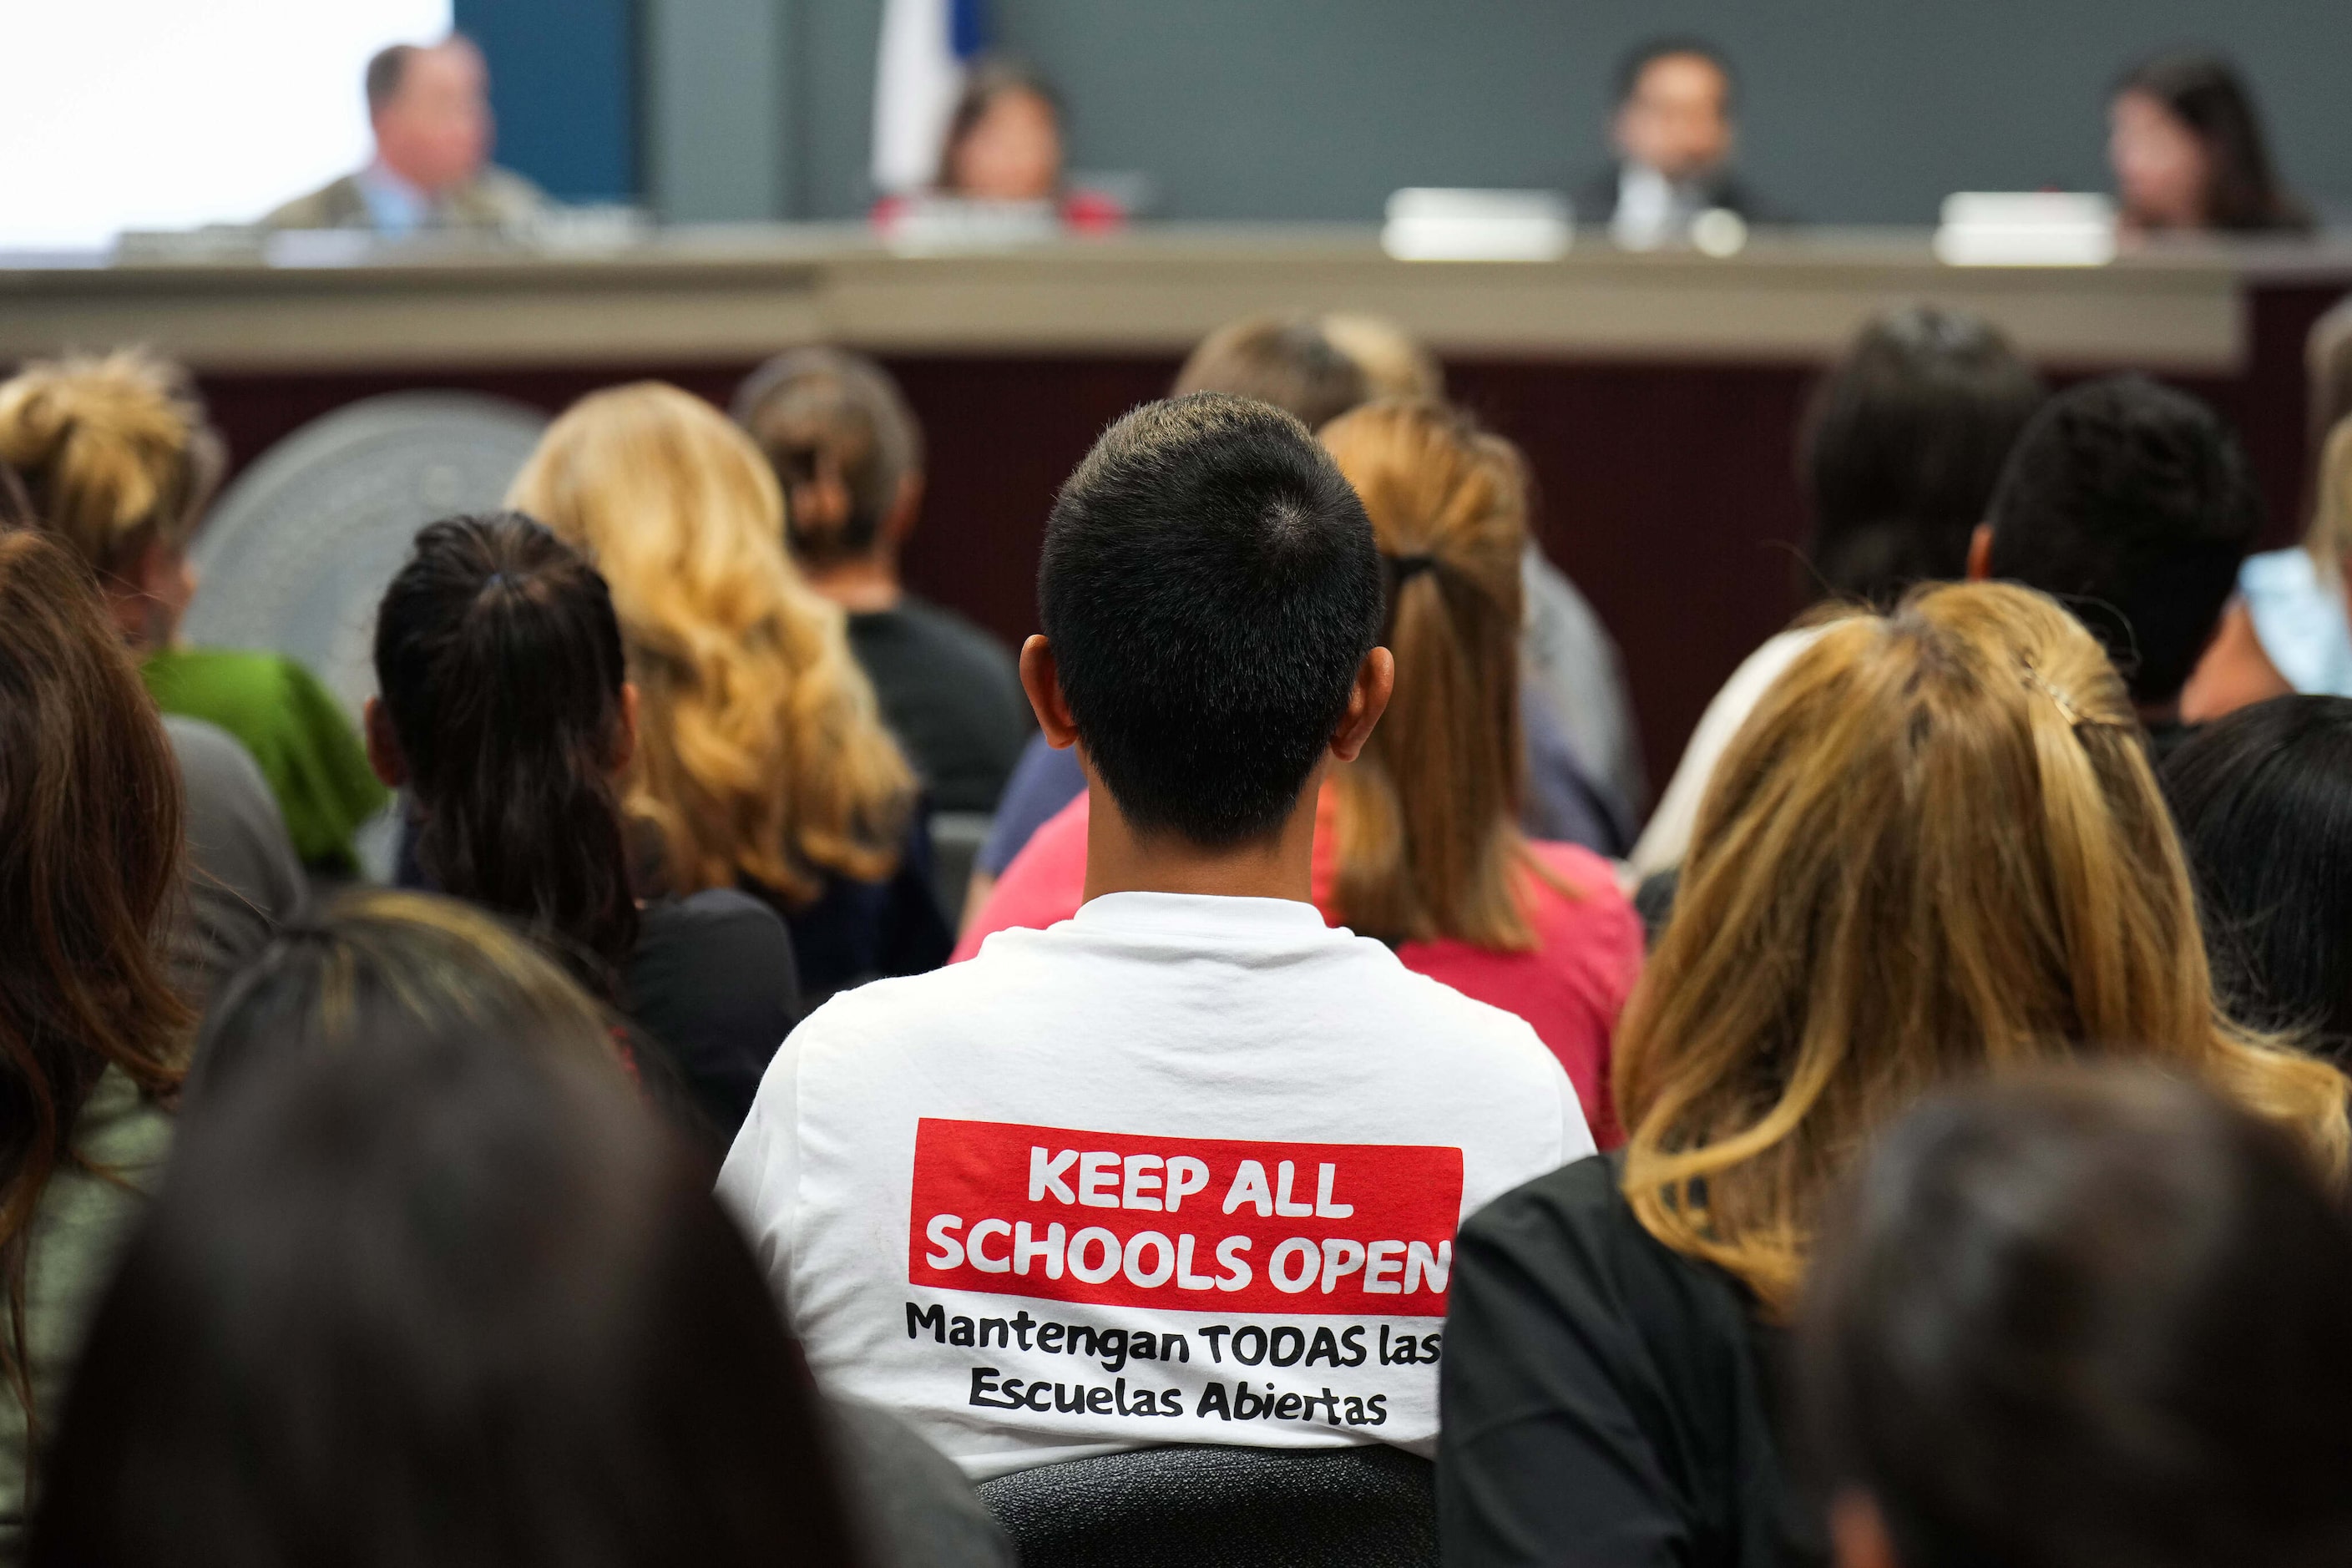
x,y
1980,554
1042,682
384,751
1858,1532
1367,701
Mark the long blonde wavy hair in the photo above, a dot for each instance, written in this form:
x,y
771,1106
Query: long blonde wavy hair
x,y
1935,851
761,750
1427,818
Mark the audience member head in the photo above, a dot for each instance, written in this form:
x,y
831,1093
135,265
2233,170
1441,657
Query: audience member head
x,y
445,1293
760,751
430,108
15,505
503,710
1901,448
1674,102
1427,827
1210,597
379,968
846,447
2329,538
1395,363
2327,374
2090,1319
90,862
2188,149
1290,362
2263,801
120,462
1934,850
2132,504
1004,136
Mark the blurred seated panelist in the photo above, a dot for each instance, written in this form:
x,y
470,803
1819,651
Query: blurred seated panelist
x,y
2187,145
429,107
1001,161
1674,133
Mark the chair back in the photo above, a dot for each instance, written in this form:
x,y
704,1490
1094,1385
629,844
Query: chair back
x,y
1212,1507
298,551
956,839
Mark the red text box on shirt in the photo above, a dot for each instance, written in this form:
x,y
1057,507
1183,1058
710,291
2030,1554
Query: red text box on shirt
x,y
1206,1225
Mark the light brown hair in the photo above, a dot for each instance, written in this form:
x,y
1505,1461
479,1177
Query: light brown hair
x,y
2329,539
1429,844
1287,361
832,425
1395,363
381,963
114,452
1935,851
90,862
760,747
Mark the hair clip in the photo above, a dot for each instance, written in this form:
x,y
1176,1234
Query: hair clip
x,y
2066,709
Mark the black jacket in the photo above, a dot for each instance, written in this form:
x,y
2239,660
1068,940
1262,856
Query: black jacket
x,y
1608,1403
1595,198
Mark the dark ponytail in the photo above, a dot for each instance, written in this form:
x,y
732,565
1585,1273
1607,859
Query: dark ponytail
x,y
499,662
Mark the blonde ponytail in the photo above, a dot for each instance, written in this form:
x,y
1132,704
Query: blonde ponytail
x,y
1936,851
1427,817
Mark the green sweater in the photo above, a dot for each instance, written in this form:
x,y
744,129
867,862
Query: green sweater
x,y
305,746
84,1219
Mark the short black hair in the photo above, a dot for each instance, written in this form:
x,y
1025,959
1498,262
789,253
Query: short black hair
x,y
1209,586
1643,54
2264,802
2132,504
1901,448
2092,1318
385,69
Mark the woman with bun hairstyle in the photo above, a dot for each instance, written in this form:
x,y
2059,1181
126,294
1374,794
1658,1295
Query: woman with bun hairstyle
x,y
93,1034
505,712
120,465
1419,843
848,453
1935,853
762,761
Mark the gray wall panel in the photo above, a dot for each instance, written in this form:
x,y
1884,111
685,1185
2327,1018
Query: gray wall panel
x,y
1857,111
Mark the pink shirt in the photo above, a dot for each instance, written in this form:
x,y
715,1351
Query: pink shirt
x,y
1571,987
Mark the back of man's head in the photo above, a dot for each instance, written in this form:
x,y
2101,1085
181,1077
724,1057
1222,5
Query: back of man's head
x,y
2132,503
1287,361
1209,587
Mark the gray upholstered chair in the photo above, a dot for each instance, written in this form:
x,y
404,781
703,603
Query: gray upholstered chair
x,y
1201,1506
956,839
298,551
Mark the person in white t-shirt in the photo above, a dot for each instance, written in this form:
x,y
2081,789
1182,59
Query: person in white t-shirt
x,y
1188,1167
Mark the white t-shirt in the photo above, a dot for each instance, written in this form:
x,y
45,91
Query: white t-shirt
x,y
1666,840
1181,1169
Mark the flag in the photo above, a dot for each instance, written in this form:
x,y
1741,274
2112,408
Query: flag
x,y
925,45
